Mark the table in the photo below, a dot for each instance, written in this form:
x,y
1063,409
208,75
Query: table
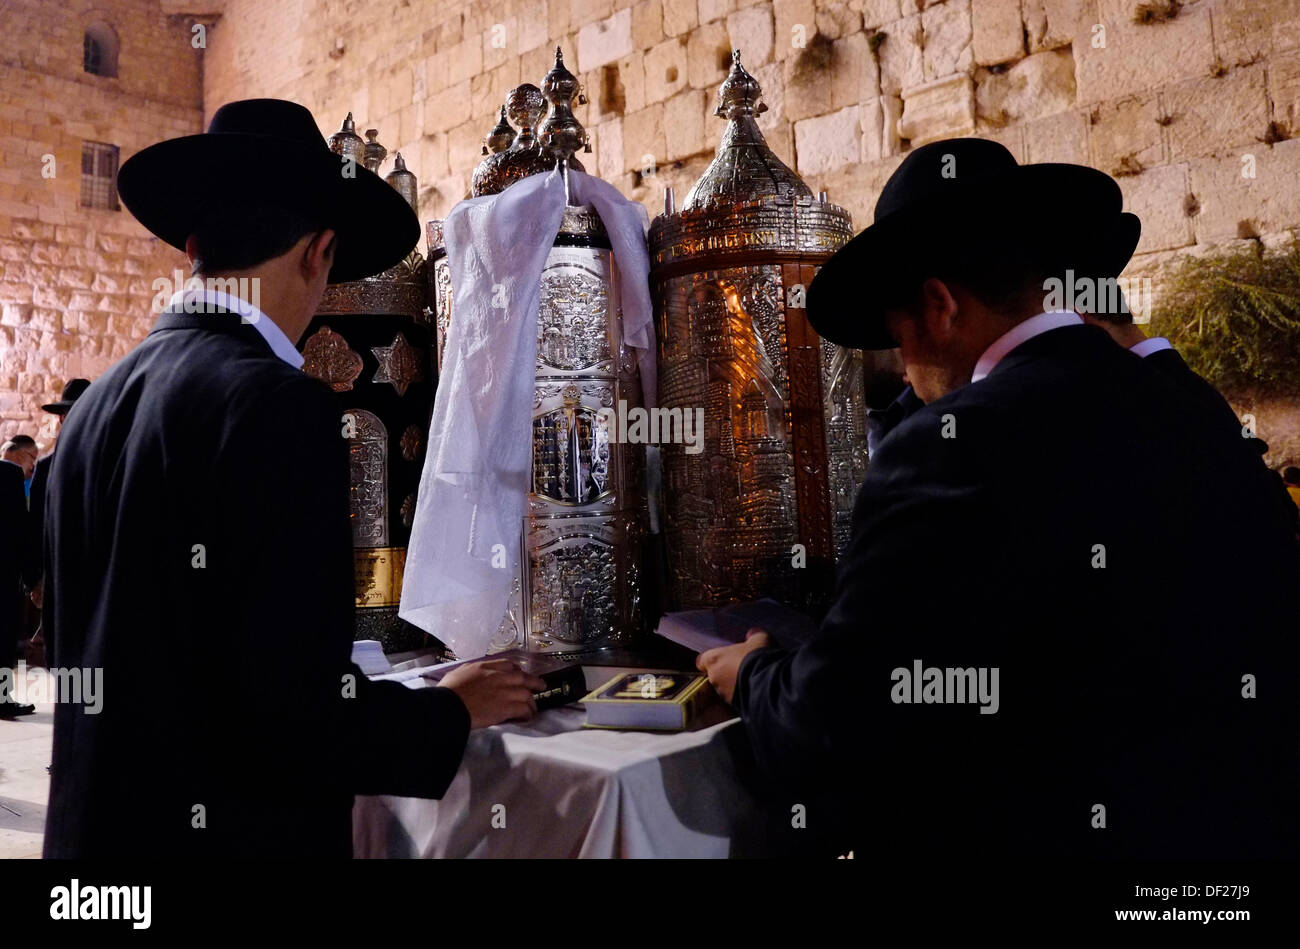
x,y
550,788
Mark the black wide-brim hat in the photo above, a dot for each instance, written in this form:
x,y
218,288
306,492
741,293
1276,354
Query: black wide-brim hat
x,y
968,189
71,393
269,151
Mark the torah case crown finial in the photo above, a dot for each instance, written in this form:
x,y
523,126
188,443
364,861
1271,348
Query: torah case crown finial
x,y
539,144
561,133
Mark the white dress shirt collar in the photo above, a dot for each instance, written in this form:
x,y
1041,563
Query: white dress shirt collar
x,y
1150,345
274,336
1020,333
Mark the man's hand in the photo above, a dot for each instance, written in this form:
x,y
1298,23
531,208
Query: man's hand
x,y
494,691
722,664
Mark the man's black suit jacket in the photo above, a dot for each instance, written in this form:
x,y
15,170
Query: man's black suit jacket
x,y
1200,393
1124,566
34,562
197,549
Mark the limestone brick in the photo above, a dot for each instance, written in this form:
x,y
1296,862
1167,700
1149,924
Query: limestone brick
x,y
1038,85
708,52
828,141
666,70
750,31
940,109
946,39
1140,56
1215,115
795,23
996,32
684,126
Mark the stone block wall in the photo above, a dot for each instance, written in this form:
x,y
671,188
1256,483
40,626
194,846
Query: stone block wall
x,y
75,283
1174,99
1194,106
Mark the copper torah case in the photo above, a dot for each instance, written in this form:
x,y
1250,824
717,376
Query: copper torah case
x,y
765,508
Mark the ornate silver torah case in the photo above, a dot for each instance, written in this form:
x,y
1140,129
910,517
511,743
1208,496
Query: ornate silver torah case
x,y
582,539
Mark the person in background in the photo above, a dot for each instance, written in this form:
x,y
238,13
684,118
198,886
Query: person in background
x,y
22,451
883,420
13,525
33,582
1291,481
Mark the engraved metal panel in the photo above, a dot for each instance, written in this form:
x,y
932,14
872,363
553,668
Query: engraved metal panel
x,y
784,417
368,458
585,527
571,452
328,357
572,317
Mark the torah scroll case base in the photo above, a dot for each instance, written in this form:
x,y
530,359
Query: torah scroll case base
x,y
765,508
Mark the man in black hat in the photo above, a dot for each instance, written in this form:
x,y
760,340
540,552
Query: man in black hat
x,y
215,595
1015,664
33,560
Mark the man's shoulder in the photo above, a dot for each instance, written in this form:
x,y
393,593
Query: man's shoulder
x,y
10,472
203,367
1068,385
1170,364
194,381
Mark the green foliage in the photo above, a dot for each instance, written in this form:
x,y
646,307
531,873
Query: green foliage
x,y
1236,319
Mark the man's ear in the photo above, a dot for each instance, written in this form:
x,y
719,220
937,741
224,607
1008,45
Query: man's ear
x,y
191,249
938,308
319,256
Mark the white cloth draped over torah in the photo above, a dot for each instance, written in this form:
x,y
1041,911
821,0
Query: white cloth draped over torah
x,y
478,469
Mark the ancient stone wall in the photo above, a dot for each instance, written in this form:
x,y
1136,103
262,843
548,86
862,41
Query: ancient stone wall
x,y
1193,106
75,283
1168,97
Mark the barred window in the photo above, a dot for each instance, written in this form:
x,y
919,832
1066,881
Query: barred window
x,y
99,176
99,50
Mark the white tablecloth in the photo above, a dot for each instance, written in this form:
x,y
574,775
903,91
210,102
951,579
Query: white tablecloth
x,y
566,791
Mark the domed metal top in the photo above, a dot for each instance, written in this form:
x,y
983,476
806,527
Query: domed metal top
x,y
501,136
374,152
347,142
525,155
404,182
744,168
525,106
561,134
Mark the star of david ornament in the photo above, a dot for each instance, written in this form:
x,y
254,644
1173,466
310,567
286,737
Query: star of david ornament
x,y
399,363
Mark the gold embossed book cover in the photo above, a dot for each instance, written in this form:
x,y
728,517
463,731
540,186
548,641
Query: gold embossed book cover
x,y
661,701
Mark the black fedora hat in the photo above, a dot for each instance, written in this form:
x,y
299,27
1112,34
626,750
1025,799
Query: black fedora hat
x,y
967,189
270,151
71,392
